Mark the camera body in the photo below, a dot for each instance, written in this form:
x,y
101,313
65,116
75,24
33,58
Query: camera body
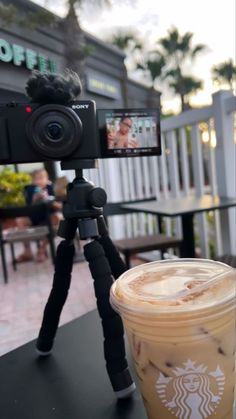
x,y
35,132
42,132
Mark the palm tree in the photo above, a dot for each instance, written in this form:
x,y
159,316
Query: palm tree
x,y
129,43
225,73
184,86
177,49
126,41
154,67
76,49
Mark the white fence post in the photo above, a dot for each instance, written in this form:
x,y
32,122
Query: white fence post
x,y
199,186
226,166
164,181
214,189
174,174
184,161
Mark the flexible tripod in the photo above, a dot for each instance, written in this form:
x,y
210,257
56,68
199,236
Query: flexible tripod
x,y
83,210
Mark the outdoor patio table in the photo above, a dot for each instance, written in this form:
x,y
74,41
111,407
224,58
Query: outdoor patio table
x,y
72,383
186,208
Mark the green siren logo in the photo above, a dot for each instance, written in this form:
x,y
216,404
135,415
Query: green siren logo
x,y
195,392
20,56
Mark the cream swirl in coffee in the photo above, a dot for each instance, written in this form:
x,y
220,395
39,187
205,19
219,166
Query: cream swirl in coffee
x,y
189,285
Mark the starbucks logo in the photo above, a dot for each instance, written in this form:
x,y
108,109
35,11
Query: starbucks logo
x,y
195,392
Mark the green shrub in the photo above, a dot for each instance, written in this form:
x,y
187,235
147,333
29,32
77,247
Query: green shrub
x,y
12,187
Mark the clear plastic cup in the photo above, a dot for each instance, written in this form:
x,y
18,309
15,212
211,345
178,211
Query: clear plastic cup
x,y
180,319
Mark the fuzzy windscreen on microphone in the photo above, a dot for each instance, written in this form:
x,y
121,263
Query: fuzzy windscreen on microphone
x,y
46,88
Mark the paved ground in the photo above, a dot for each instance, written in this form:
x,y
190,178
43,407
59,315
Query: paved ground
x,y
22,300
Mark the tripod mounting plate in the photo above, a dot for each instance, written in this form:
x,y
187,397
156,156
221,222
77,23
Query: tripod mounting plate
x,y
79,164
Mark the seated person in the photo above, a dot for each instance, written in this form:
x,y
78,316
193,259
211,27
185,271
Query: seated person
x,y
40,190
122,138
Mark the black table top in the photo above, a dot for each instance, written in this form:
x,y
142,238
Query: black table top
x,y
72,383
181,206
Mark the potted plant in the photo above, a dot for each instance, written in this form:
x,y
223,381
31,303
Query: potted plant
x,y
12,186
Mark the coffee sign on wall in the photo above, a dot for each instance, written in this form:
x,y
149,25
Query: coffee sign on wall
x,y
20,56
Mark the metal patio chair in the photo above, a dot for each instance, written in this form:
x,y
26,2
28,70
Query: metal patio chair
x,y
15,235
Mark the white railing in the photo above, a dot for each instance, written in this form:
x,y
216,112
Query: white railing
x,y
188,166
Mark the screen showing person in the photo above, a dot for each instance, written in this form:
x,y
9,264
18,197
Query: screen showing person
x,y
120,133
130,133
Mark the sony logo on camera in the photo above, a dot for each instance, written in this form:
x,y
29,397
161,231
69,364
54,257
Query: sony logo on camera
x,y
80,106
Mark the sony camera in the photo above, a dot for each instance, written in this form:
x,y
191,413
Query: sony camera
x,y
33,132
54,125
43,132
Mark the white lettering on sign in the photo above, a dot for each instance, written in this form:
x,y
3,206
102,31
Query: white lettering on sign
x,y
20,56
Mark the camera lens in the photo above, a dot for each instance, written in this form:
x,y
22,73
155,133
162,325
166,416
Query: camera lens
x,y
55,131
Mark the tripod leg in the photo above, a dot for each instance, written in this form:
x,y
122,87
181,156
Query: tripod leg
x,y
117,265
114,347
57,297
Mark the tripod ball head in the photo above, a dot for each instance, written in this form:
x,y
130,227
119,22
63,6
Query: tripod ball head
x,y
97,197
84,200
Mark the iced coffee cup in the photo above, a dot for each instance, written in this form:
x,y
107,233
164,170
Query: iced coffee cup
x,y
180,321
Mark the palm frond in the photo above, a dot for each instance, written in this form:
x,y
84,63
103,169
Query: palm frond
x,y
224,72
198,48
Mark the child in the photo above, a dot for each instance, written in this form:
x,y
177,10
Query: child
x,y
40,190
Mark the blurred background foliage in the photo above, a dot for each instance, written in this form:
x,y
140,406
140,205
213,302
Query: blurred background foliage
x,y
12,187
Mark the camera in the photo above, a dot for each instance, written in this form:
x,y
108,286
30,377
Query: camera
x,y
34,132
54,125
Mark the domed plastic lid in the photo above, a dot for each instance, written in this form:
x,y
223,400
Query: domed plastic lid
x,y
176,285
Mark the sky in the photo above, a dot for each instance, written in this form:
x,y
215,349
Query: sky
x,y
211,22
